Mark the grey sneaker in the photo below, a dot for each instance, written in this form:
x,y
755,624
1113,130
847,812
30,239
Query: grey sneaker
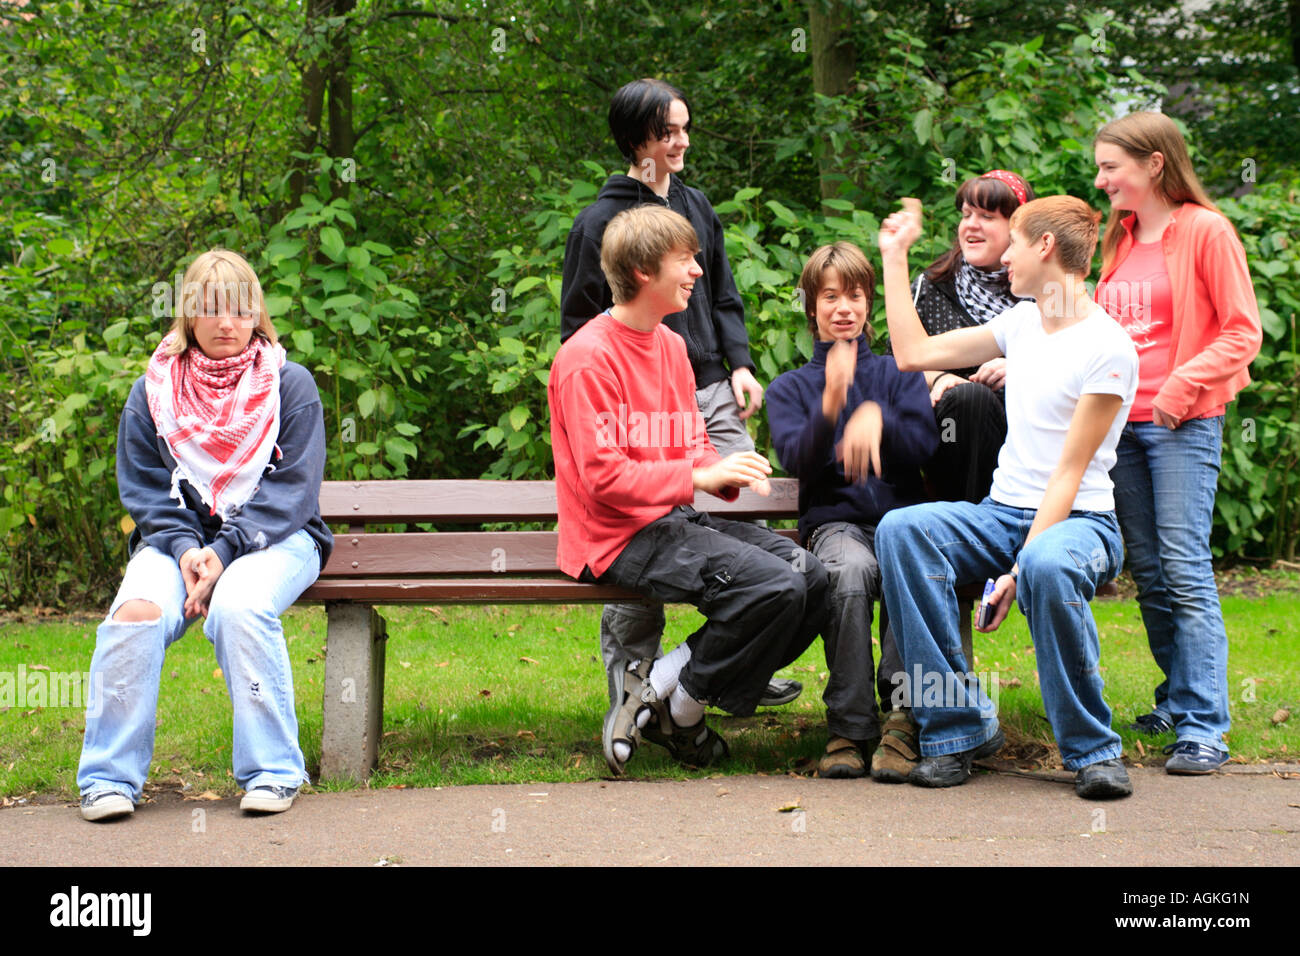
x,y
780,690
105,805
268,799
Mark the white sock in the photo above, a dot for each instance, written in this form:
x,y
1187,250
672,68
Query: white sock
x,y
622,751
663,676
686,710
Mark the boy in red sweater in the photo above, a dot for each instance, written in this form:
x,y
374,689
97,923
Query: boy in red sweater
x,y
630,452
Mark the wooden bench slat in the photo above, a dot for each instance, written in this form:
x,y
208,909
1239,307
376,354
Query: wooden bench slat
x,y
504,590
473,501
447,552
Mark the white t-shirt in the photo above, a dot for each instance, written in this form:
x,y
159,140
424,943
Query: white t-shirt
x,y
1046,376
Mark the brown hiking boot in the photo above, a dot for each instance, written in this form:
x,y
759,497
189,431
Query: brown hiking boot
x,y
899,751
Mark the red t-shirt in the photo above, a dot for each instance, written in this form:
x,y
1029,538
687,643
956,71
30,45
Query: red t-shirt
x,y
626,432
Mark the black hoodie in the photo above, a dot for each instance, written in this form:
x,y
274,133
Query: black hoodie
x,y
713,324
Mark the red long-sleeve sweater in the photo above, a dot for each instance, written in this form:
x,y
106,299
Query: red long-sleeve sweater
x,y
626,433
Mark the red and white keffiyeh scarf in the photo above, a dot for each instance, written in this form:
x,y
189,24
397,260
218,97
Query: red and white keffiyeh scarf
x,y
219,417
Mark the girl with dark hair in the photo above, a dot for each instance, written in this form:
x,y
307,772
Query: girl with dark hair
x,y
966,287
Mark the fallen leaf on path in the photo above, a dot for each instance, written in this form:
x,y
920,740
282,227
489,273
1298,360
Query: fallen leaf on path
x,y
722,792
789,807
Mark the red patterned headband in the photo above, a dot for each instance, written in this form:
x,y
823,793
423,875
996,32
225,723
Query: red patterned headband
x,y
1018,185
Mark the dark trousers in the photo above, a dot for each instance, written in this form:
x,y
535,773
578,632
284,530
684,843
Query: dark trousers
x,y
972,424
764,597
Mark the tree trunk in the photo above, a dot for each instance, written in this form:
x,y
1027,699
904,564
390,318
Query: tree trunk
x,y
326,74
834,62
342,135
1293,20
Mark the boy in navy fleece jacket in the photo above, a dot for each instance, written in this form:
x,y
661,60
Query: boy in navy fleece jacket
x,y
854,430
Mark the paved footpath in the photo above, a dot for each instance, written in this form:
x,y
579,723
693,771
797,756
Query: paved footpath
x,y
1240,818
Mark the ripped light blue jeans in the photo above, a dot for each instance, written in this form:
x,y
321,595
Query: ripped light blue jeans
x,y
243,624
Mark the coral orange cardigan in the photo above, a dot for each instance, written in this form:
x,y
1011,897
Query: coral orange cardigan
x,y
1216,328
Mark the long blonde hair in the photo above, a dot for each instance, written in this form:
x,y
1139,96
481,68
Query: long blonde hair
x,y
1140,135
224,278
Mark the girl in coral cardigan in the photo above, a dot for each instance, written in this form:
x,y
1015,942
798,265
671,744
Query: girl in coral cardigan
x,y
1174,275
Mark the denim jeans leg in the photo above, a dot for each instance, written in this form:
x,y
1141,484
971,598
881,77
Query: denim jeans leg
x,y
1136,510
1183,466
845,550
926,552
1060,571
124,675
244,626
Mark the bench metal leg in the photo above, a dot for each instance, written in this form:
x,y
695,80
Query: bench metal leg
x,y
352,720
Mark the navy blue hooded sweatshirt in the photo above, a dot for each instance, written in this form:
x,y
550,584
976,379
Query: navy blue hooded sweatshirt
x,y
805,441
286,501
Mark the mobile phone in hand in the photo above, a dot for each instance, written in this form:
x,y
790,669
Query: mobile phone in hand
x,y
984,617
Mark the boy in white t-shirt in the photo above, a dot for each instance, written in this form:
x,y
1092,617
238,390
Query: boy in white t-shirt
x,y
1047,532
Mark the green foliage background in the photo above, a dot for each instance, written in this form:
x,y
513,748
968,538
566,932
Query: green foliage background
x,y
410,234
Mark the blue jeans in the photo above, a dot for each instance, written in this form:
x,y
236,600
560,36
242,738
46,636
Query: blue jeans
x,y
243,623
928,551
1165,483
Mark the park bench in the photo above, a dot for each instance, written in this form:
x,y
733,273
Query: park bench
x,y
371,568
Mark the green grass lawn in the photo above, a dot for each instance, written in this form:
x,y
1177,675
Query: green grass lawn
x,y
507,695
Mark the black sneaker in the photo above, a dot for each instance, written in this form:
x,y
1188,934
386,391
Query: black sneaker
x,y
780,690
1104,780
951,770
1152,724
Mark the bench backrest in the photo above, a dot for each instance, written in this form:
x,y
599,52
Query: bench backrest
x,y
361,554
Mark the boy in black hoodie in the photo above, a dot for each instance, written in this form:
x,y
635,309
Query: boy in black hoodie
x,y
650,121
